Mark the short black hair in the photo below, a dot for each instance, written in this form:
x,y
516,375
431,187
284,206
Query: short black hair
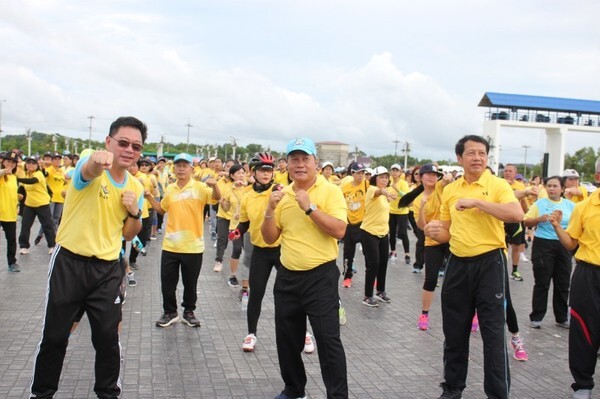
x,y
129,121
460,146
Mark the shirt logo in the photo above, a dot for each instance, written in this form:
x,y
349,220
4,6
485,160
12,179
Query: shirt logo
x,y
103,191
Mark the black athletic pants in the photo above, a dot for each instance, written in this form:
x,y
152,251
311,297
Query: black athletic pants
x,y
351,238
10,232
471,283
77,283
45,217
144,236
190,265
261,264
551,263
312,293
399,229
584,334
376,260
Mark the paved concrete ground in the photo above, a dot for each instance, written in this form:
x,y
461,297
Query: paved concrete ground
x,y
388,357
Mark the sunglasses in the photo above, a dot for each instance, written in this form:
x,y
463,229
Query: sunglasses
x,y
134,146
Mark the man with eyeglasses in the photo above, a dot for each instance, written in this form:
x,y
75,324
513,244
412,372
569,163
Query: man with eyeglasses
x,y
103,204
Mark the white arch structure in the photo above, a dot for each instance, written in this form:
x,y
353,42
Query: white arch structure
x,y
556,116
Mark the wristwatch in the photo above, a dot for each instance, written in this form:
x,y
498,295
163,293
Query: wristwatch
x,y
311,208
139,215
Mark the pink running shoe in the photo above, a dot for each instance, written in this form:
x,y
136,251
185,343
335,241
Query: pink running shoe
x,y
347,283
423,322
520,353
475,324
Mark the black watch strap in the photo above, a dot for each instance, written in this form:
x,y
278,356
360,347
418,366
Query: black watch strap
x,y
138,216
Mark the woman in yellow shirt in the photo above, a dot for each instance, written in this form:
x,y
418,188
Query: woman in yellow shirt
x,y
8,207
37,203
375,239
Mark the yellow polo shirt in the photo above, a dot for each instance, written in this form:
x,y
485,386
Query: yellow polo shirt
x,y
37,194
185,226
431,209
355,200
584,226
253,210
235,201
9,201
303,245
474,232
281,178
377,214
93,216
225,187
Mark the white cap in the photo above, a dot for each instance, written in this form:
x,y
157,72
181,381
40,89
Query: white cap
x,y
327,164
396,166
570,173
380,170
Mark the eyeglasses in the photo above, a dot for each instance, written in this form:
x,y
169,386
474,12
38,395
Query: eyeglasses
x,y
134,146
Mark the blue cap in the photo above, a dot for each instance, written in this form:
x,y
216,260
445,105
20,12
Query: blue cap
x,y
302,144
183,157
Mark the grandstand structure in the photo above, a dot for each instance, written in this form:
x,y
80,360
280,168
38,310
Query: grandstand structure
x,y
558,117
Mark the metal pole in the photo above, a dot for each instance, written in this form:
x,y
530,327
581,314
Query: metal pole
x,y
525,164
91,118
188,136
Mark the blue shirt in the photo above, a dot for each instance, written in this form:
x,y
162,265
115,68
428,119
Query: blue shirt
x,y
546,206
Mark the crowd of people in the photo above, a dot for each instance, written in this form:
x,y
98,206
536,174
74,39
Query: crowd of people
x,y
293,214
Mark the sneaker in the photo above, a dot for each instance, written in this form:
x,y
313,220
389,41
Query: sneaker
x,y
382,297
517,344
50,250
133,266
407,259
450,393
249,343
153,238
143,252
38,239
214,244
233,282
347,283
131,279
393,255
523,258
441,273
159,231
582,394
218,267
24,251
516,275
241,293
475,324
190,319
14,267
342,313
370,302
417,270
535,324
423,322
167,319
284,396
563,324
309,343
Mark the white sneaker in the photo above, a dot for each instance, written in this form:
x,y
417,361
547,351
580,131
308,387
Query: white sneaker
x,y
309,343
582,394
218,267
523,258
249,343
50,250
214,244
24,251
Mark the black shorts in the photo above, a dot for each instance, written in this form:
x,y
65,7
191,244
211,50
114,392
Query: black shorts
x,y
515,233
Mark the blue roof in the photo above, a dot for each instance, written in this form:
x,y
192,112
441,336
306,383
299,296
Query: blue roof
x,y
520,101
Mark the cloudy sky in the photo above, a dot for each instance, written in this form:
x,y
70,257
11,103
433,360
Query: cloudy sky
x,y
366,73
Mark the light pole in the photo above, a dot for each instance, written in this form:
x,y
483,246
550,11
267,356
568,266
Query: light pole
x,y
28,142
91,118
525,164
233,145
54,141
188,136
1,102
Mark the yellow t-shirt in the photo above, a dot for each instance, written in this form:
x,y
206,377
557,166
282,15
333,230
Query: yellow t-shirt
x,y
377,213
401,189
346,179
253,210
93,216
185,226
281,178
304,246
355,200
474,232
149,183
235,196
431,209
37,194
225,187
579,198
56,182
9,201
584,226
